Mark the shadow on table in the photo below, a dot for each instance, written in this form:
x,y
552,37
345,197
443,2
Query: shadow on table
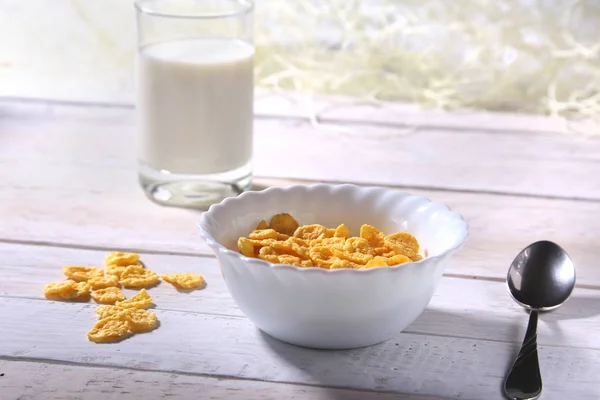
x,y
412,362
575,308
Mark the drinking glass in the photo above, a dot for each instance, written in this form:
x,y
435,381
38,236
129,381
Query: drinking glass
x,y
194,99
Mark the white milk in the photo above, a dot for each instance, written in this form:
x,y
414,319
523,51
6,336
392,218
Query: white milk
x,y
195,105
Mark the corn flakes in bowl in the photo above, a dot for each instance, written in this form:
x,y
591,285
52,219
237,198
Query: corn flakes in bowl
x,y
332,266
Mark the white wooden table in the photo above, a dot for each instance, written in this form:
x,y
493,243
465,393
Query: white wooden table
x,y
69,194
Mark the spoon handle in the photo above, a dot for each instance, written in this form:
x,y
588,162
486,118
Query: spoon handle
x,y
524,380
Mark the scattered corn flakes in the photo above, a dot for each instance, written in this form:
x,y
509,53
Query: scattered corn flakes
x,y
120,317
103,281
285,241
111,329
68,290
80,274
139,300
184,281
137,277
109,295
121,258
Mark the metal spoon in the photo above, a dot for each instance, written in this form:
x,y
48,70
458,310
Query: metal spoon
x,y
541,278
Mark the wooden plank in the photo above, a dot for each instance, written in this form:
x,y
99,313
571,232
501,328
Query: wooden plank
x,y
511,162
232,347
330,110
486,313
95,206
23,380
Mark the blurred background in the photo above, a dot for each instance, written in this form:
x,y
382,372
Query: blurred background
x,y
539,57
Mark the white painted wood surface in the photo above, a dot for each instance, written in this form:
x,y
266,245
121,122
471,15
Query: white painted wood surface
x,y
68,194
51,381
439,365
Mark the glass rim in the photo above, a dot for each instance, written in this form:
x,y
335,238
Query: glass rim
x,y
246,6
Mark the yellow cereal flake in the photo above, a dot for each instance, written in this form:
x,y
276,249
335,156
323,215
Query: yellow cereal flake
x,y
246,247
115,270
397,259
312,232
283,241
67,290
142,321
79,273
290,248
108,330
267,234
184,281
108,311
371,234
261,225
405,239
357,258
139,320
284,223
121,259
103,281
341,231
108,295
140,300
377,261
137,277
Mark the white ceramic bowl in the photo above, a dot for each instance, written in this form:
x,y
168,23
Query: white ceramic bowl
x,y
341,308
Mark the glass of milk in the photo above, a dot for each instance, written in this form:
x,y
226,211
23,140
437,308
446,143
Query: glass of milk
x,y
194,88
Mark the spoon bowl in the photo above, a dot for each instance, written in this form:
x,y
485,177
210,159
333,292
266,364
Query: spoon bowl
x,y
541,277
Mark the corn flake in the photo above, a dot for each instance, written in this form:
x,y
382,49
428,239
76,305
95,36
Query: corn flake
x,y
284,223
184,281
108,311
103,281
139,320
111,329
246,247
68,290
79,273
261,225
267,234
137,277
142,321
312,232
140,300
121,258
341,231
108,295
115,270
